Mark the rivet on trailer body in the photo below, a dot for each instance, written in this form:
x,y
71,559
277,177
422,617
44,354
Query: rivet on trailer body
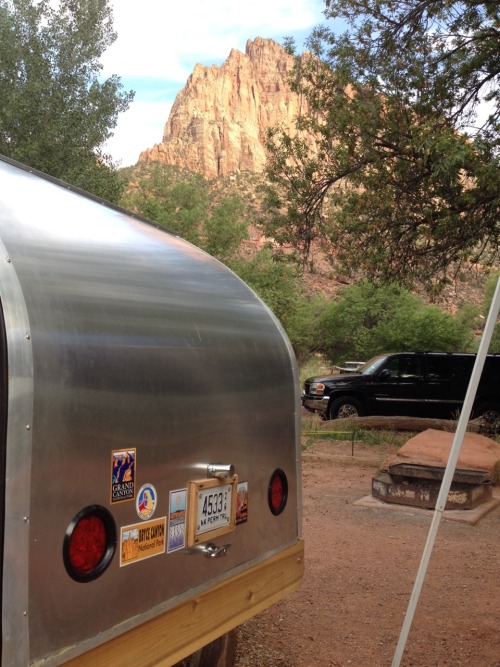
x,y
8,260
28,336
28,427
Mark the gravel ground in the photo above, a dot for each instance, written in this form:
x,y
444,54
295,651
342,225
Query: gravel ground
x,y
361,565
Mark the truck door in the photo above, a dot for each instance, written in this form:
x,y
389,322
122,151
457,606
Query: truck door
x,y
399,388
446,383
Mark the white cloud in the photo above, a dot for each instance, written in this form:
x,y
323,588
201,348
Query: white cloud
x,y
161,39
139,128
160,42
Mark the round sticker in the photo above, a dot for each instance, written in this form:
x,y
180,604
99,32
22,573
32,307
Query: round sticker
x,y
146,501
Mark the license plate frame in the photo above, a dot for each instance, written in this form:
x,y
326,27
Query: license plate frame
x,y
212,508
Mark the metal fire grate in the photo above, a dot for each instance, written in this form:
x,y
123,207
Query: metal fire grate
x,y
418,486
434,472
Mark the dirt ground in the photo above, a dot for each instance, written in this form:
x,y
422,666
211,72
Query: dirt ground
x,y
360,569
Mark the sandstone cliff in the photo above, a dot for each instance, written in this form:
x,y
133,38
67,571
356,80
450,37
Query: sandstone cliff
x,y
218,122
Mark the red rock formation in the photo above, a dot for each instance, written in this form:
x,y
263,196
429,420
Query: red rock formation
x,y
219,120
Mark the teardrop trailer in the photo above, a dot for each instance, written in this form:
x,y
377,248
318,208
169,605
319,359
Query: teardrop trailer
x,y
149,437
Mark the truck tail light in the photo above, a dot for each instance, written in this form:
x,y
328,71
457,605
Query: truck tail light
x,y
89,543
278,492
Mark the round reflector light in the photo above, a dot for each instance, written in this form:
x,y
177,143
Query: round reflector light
x,y
89,543
278,492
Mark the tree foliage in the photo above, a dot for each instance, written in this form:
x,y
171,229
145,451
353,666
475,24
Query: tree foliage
x,y
279,286
182,202
363,321
56,112
225,228
175,199
367,320
185,203
488,298
402,179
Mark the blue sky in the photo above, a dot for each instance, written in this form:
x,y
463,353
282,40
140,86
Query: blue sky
x,y
159,43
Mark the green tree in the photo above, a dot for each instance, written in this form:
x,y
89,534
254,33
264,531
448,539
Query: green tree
x,y
402,179
56,112
175,199
488,298
182,201
185,203
278,285
367,320
225,228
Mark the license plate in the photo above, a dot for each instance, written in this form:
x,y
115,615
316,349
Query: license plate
x,y
214,505
214,508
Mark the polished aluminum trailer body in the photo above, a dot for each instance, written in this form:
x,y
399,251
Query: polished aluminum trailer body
x,y
119,336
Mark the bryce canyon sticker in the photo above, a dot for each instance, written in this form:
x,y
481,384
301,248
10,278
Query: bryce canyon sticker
x,y
142,540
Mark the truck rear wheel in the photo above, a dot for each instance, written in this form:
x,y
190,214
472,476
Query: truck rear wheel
x,y
490,413
343,408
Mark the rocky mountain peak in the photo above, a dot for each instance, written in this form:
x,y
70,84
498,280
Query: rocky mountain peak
x,y
219,120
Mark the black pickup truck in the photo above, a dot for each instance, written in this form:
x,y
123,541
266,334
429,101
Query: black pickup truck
x,y
418,384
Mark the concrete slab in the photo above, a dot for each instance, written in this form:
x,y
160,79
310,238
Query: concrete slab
x,y
471,516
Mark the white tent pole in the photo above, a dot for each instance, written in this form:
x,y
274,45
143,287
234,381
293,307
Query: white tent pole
x,y
450,471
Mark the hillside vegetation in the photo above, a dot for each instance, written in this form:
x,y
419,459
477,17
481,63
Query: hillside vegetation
x,y
324,313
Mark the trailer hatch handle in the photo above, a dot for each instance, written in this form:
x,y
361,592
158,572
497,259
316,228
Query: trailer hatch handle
x,y
220,470
211,550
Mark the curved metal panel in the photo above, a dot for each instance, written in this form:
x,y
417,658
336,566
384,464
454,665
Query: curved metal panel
x,y
140,342
17,466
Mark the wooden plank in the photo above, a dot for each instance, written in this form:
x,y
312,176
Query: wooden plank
x,y
166,639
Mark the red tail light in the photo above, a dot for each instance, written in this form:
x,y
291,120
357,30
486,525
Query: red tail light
x,y
89,543
278,492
